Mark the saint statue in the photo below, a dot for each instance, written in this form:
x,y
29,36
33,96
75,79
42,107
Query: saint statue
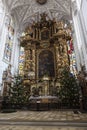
x,y
6,80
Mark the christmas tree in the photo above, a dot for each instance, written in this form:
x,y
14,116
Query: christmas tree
x,y
18,93
69,92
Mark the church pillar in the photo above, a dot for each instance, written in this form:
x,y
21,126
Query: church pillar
x,y
84,45
80,18
15,54
80,21
2,16
3,65
78,39
83,28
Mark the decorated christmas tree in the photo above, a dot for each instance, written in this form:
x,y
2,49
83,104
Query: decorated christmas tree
x,y
18,93
69,92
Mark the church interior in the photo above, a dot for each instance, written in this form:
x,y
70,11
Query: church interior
x,y
43,55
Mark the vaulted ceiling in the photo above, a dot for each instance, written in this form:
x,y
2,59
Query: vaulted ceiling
x,y
27,11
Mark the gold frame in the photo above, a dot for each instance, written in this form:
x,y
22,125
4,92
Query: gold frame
x,y
44,29
37,59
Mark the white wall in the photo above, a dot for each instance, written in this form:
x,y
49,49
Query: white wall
x,y
80,25
84,13
2,40
79,3
5,18
83,21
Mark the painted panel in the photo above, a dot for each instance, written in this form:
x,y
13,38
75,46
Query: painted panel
x,y
46,64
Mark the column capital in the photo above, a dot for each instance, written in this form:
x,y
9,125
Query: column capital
x,y
74,7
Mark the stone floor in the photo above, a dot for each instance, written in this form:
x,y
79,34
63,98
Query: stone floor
x,y
10,121
39,128
44,116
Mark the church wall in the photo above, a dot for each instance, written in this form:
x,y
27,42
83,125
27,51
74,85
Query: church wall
x,y
76,51
79,3
83,19
77,38
84,16
2,40
83,47
5,22
15,54
79,26
2,13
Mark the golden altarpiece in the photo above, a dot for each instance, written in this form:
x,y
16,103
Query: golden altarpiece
x,y
45,55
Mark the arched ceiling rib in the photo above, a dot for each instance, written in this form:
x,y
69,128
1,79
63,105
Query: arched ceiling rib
x,y
27,11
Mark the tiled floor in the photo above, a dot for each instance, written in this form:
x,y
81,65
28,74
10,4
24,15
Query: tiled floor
x,y
49,116
44,116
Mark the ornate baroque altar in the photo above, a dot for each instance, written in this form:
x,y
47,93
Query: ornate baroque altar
x,y
45,47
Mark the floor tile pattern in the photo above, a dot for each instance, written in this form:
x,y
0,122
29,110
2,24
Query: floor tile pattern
x,y
44,116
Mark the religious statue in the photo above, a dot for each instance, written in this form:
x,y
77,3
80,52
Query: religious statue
x,y
43,17
6,80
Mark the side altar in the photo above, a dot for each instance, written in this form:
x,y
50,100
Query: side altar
x,y
45,48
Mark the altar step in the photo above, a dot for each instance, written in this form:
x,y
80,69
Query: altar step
x,y
45,123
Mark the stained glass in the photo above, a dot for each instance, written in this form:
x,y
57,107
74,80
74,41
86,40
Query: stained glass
x,y
21,61
71,53
9,43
